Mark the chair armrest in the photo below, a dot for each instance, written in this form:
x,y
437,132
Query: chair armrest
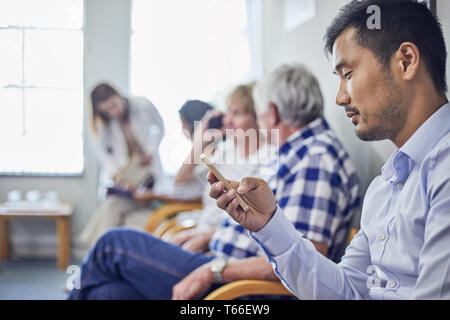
x,y
167,211
242,288
174,228
163,227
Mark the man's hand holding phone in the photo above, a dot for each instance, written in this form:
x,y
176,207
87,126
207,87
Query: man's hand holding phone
x,y
256,194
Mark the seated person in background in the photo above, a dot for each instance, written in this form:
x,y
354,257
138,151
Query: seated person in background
x,y
393,86
124,127
320,195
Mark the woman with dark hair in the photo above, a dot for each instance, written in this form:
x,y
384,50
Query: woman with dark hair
x,y
124,128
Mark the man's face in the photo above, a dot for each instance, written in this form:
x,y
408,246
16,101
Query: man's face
x,y
367,90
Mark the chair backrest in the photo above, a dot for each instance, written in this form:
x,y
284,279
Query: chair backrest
x,y
167,211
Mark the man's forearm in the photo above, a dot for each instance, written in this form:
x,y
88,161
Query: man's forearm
x,y
186,172
255,268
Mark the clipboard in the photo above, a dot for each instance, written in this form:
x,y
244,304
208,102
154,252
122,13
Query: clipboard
x,y
134,173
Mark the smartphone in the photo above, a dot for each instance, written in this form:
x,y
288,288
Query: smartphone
x,y
220,177
216,122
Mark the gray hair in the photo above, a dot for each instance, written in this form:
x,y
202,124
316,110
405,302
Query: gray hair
x,y
294,90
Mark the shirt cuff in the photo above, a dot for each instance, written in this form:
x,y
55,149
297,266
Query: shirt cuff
x,y
278,235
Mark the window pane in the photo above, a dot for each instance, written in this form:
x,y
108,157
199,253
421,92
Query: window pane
x,y
206,12
54,58
187,50
28,154
11,57
42,13
50,112
41,128
10,113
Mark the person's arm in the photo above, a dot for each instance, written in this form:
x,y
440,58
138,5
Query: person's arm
x,y
434,261
198,242
199,281
200,141
256,268
186,172
192,189
304,271
308,274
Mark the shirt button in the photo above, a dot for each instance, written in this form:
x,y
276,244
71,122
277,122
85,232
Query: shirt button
x,y
382,236
392,284
399,186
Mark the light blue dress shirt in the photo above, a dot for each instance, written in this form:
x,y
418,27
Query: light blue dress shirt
x,y
403,248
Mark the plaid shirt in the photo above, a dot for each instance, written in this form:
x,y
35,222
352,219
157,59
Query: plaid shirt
x,y
316,187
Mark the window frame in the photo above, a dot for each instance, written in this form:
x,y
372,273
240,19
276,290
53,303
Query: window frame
x,y
23,86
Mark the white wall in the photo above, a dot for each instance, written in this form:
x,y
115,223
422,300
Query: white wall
x,y
107,30
305,45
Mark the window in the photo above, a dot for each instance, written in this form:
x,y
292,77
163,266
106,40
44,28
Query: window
x,y
190,50
41,87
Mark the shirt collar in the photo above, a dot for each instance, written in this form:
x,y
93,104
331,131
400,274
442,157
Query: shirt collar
x,y
428,134
418,145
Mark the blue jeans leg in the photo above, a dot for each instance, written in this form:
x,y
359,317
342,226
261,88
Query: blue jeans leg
x,y
135,265
118,290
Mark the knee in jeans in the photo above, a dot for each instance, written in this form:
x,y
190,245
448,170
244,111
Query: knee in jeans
x,y
110,236
117,235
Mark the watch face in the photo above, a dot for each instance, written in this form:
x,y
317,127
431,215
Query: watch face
x,y
218,264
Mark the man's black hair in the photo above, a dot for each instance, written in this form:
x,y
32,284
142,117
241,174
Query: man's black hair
x,y
401,21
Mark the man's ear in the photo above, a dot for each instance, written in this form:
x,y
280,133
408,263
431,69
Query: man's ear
x,y
407,59
274,114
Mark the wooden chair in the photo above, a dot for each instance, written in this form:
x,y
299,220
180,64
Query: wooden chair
x,y
171,226
241,288
168,211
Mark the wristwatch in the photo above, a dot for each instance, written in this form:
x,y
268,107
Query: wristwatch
x,y
217,265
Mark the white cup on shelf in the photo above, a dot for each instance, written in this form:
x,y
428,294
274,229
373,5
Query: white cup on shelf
x,y
14,196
